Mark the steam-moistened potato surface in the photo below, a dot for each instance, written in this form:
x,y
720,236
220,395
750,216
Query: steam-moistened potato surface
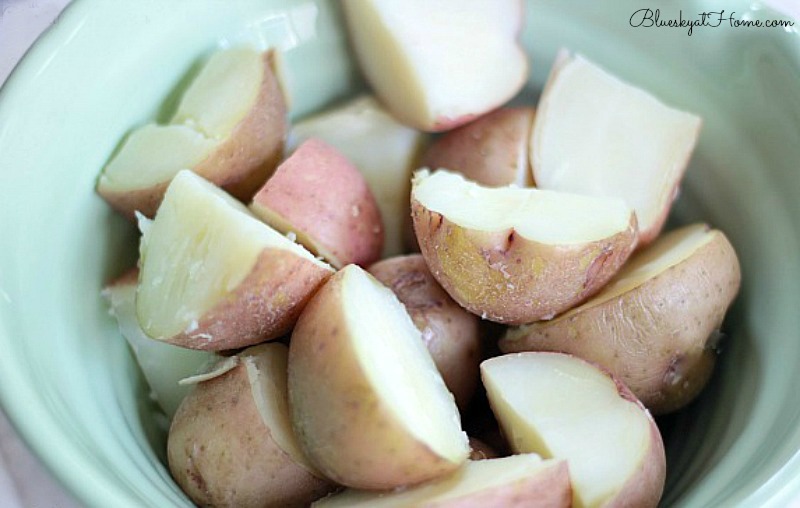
x,y
229,127
231,443
321,197
521,481
562,407
596,135
368,405
384,151
516,255
451,334
435,64
655,324
214,277
162,364
492,150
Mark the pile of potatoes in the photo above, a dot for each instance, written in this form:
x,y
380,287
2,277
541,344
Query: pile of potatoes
x,y
322,308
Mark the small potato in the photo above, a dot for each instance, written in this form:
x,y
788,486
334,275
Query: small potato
x,y
321,197
229,128
451,333
231,443
512,255
655,324
492,150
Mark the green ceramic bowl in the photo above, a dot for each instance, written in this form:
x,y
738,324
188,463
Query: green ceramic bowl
x,y
67,379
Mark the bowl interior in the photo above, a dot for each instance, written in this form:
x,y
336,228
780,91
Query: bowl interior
x,y
67,379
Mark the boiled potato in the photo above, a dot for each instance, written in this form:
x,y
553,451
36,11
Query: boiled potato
x,y
518,255
562,407
231,443
655,324
451,334
521,481
368,405
229,127
214,277
318,195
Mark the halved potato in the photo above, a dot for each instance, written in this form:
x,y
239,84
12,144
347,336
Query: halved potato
x,y
231,442
384,151
492,150
321,197
451,334
368,405
655,324
162,364
562,407
518,255
521,481
214,277
229,128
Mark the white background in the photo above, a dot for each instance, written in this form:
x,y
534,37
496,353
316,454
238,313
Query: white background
x,y
24,482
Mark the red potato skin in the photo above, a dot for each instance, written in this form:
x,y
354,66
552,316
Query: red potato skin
x,y
321,196
239,165
221,453
492,150
263,307
343,427
507,279
451,333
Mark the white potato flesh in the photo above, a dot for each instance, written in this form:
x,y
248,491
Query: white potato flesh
x,y
383,150
163,365
475,477
223,93
399,367
153,154
548,217
595,134
562,407
199,248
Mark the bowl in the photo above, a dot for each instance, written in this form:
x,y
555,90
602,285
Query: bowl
x,y
67,379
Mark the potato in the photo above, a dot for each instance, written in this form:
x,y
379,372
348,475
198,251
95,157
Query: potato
x,y
321,197
214,277
518,255
492,150
368,405
229,128
231,442
523,481
162,364
562,407
451,334
655,324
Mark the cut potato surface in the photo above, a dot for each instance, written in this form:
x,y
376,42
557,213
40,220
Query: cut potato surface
x,y
368,404
518,255
595,134
519,481
384,151
655,324
562,407
215,277
231,442
229,127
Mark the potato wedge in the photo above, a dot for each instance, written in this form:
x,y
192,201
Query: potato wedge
x,y
518,255
655,324
229,128
231,442
562,407
214,277
321,197
451,334
521,481
368,405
